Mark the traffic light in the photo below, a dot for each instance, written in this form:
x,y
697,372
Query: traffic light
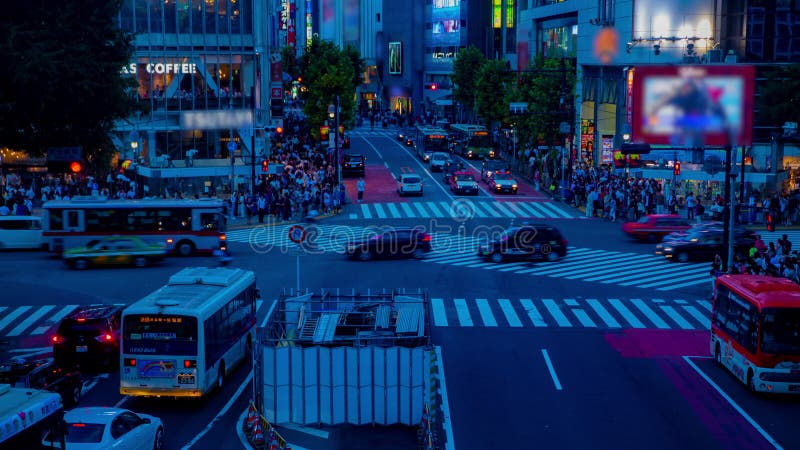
x,y
75,166
432,86
279,130
676,170
264,166
770,222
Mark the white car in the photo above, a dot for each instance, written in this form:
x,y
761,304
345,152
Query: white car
x,y
409,183
438,161
106,428
21,232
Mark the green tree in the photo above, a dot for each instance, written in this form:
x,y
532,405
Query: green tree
x,y
491,87
550,95
779,96
465,76
358,64
60,76
289,63
327,72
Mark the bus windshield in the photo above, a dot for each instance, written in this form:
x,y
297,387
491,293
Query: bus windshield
x,y
435,144
482,140
780,332
159,334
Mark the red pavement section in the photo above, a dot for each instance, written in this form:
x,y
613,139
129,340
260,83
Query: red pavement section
x,y
380,186
647,343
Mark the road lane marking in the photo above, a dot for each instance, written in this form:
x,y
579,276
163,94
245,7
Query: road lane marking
x,y
705,304
508,311
657,321
531,210
556,313
434,209
463,312
673,314
54,319
439,314
735,406
379,210
421,209
447,208
502,208
601,311
16,331
699,280
551,369
221,413
533,313
698,316
13,316
407,209
365,211
584,318
486,312
626,313
394,211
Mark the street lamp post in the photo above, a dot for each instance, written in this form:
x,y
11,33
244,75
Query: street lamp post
x,y
134,148
333,113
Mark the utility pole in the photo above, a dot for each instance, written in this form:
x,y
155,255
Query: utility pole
x,y
729,199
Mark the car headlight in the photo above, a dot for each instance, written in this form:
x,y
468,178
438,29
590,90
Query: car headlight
x,y
514,186
667,249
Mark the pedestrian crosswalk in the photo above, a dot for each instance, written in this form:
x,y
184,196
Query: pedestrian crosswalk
x,y
609,313
462,209
629,269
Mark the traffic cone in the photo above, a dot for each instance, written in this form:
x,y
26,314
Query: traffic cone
x,y
252,417
258,434
273,441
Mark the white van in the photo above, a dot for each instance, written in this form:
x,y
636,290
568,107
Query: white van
x,y
21,232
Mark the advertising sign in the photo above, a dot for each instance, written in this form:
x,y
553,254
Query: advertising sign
x,y
395,58
587,139
608,148
693,106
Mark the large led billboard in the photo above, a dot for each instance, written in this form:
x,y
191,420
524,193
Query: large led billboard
x,y
395,58
693,106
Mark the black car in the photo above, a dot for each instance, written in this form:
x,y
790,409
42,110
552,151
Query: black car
x,y
43,374
705,244
530,241
394,243
89,336
353,164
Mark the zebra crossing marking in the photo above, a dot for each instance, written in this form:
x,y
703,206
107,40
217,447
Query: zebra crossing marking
x,y
697,315
584,318
601,311
407,210
439,314
533,313
54,319
486,312
479,207
554,311
13,316
420,209
649,313
509,313
379,210
30,320
673,314
462,310
365,211
626,313
706,304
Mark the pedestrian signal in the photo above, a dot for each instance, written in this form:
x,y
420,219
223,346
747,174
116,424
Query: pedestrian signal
x,y
677,169
770,222
264,166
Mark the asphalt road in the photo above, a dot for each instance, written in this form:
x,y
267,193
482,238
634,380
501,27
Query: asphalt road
x,y
605,349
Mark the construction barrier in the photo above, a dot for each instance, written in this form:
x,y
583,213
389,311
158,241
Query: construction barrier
x,y
260,433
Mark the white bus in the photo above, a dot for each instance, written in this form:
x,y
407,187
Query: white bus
x,y
184,226
183,339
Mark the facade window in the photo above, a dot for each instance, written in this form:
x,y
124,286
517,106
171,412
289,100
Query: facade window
x,y
446,3
156,16
169,16
558,41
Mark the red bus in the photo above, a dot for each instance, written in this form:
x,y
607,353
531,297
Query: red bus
x,y
755,331
184,226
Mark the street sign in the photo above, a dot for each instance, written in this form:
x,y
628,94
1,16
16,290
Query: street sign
x,y
518,107
297,234
277,92
231,146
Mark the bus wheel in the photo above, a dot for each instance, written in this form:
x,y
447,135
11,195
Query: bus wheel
x,y
718,355
185,248
221,375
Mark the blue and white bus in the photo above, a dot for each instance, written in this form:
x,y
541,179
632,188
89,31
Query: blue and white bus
x,y
183,339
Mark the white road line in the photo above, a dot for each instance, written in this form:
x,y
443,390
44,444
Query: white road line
x,y
434,209
705,304
221,413
2,308
486,206
735,406
674,315
439,314
486,312
626,313
463,312
669,282
512,266
662,273
614,274
407,209
365,211
556,313
551,369
420,209
447,423
394,211
478,211
502,208
572,261
16,331
379,210
688,283
584,318
558,211
533,313
698,316
642,306
528,207
514,208
63,312
571,302
508,311
601,311
446,208
13,316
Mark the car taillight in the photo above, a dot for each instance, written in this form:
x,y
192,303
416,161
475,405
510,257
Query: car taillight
x,y
426,238
223,237
189,364
129,362
58,339
105,337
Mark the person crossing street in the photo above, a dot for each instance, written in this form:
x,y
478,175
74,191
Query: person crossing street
x,y
360,186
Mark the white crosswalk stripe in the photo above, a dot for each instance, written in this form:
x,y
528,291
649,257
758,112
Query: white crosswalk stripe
x,y
570,313
481,209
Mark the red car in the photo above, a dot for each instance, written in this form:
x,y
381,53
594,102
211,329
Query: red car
x,y
463,183
654,227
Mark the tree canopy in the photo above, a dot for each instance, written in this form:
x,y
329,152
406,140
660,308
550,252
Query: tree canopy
x,y
328,71
60,76
465,75
492,88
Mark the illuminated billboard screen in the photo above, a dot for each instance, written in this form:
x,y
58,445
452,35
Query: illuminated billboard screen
x,y
693,106
395,58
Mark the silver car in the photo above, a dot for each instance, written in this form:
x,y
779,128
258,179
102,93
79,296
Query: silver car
x,y
438,161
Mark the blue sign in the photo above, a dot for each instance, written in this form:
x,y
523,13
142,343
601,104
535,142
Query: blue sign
x,y
231,146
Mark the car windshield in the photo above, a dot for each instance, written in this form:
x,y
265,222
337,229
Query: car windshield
x,y
70,327
85,433
411,180
504,176
780,331
465,178
439,156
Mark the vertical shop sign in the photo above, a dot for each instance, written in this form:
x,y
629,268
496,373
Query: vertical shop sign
x,y
608,148
587,140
